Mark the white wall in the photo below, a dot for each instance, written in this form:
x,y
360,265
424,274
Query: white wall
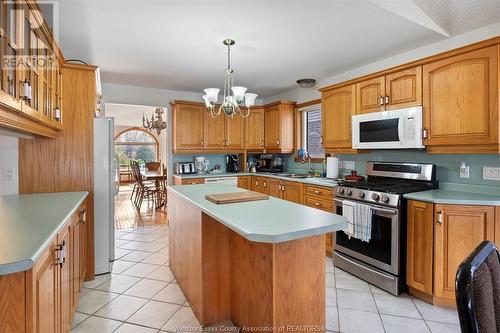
x,y
8,159
143,97
303,95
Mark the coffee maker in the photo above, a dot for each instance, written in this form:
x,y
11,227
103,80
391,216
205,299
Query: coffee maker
x,y
232,163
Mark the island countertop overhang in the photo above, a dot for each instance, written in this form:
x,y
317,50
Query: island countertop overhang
x,y
266,221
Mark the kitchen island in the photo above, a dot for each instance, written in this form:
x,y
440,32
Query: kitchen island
x,y
260,264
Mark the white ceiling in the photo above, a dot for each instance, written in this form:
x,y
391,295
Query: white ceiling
x,y
178,44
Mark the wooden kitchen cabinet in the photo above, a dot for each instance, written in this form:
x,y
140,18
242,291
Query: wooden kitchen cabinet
x,y
439,238
278,127
338,106
187,181
234,129
292,191
254,130
275,188
260,184
461,102
214,132
320,197
403,89
370,95
65,281
42,306
419,256
245,182
392,91
188,126
458,230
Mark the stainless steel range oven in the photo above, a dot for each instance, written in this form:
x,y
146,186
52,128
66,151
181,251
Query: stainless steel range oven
x,y
380,260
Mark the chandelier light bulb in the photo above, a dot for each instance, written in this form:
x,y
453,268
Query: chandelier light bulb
x,y
233,97
250,99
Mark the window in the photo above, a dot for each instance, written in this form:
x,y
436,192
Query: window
x,y
135,144
311,131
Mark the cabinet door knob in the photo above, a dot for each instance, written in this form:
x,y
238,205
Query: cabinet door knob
x,y
386,99
202,143
381,100
424,133
317,192
440,217
317,204
83,216
278,142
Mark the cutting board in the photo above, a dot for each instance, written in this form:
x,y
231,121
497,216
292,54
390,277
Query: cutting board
x,y
227,198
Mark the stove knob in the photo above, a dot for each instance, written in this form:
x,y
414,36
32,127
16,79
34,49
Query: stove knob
x,y
348,192
375,196
384,198
361,194
340,190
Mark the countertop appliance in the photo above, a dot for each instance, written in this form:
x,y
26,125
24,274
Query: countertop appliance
x,y
223,180
106,186
200,164
185,168
232,163
273,163
395,129
381,260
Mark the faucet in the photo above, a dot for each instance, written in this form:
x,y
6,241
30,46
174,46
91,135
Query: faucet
x,y
307,156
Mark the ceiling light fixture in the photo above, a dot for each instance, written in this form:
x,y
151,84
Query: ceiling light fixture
x,y
306,83
156,123
234,96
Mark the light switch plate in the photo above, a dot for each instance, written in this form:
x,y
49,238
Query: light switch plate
x,y
9,174
491,173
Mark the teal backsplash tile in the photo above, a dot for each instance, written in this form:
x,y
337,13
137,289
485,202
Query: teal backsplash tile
x,y
447,165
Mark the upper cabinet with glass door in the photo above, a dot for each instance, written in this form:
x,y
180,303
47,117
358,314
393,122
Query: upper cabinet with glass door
x,y
30,72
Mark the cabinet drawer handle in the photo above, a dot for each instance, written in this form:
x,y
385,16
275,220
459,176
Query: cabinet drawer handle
x,y
61,254
386,99
202,143
317,192
381,100
317,204
278,142
262,143
265,184
440,217
83,216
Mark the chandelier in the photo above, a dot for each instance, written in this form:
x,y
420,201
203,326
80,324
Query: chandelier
x,y
156,123
234,96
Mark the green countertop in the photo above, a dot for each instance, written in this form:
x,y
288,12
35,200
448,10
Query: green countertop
x,y
266,221
459,194
321,181
28,223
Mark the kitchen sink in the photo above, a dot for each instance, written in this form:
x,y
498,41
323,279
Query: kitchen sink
x,y
295,175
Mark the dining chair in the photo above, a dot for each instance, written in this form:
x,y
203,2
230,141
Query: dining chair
x,y
144,189
478,290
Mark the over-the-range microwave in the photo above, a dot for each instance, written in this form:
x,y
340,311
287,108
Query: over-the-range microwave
x,y
394,129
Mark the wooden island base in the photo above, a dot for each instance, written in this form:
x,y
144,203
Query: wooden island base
x,y
258,286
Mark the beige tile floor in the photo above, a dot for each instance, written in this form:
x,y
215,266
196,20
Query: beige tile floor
x,y
141,295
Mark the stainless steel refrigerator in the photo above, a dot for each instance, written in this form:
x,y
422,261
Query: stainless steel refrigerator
x,y
105,190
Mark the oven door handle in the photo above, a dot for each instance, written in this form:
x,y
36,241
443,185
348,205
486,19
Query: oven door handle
x,y
376,209
364,267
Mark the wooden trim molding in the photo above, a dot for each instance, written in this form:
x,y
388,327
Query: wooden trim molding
x,y
309,103
415,63
17,122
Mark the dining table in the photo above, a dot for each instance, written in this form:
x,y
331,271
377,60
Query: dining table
x,y
157,177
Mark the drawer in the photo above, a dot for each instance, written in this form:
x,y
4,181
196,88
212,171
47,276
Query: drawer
x,y
325,193
326,205
193,181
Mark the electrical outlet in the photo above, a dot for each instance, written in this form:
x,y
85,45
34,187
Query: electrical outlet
x,y
491,173
9,174
464,170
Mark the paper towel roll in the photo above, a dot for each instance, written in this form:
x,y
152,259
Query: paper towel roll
x,y
332,167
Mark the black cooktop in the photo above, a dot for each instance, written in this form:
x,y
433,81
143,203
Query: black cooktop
x,y
391,185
